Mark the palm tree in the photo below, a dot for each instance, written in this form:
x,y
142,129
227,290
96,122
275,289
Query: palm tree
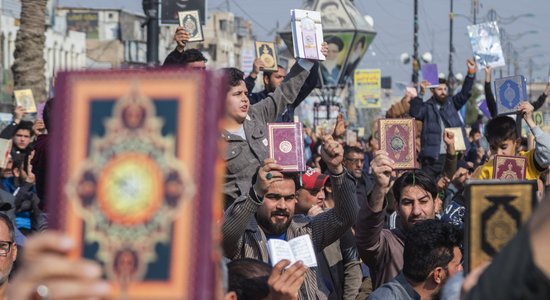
x,y
29,63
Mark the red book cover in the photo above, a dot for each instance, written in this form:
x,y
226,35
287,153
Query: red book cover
x,y
397,137
509,167
286,145
136,179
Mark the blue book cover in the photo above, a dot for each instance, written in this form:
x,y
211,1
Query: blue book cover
x,y
509,92
430,74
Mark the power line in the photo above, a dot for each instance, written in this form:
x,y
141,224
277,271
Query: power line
x,y
250,17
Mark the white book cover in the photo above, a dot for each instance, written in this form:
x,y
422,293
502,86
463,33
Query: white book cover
x,y
307,34
299,248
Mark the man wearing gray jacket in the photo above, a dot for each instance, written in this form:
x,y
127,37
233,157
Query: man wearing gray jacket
x,y
267,212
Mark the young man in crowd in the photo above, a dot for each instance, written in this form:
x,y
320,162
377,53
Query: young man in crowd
x,y
245,129
267,211
430,257
179,57
416,195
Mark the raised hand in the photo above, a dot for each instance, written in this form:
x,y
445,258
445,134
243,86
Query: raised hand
x,y
332,154
285,284
382,168
268,173
181,37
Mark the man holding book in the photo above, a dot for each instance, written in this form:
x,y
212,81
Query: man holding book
x,y
267,212
416,195
245,129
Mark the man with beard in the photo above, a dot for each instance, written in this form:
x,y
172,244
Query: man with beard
x,y
382,249
436,114
431,256
267,212
338,263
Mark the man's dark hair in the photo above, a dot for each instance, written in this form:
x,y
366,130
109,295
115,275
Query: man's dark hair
x,y
473,131
234,76
268,73
6,220
24,125
500,129
351,149
335,40
192,55
428,245
248,278
442,81
414,178
46,113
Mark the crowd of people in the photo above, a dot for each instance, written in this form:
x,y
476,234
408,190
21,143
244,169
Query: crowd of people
x,y
377,232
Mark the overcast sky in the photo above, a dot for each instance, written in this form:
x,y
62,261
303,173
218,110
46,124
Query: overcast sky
x,y
393,21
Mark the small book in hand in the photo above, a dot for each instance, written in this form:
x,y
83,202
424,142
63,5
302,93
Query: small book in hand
x,y
458,138
297,249
5,149
25,99
510,92
509,167
267,52
286,145
398,138
191,22
307,34
429,73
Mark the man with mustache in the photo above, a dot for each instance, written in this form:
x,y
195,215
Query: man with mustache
x,y
267,212
338,263
382,249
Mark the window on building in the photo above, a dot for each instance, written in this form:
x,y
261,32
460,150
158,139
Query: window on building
x,y
223,25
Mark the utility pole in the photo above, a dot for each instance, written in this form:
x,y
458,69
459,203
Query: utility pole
x,y
151,10
451,76
474,11
415,60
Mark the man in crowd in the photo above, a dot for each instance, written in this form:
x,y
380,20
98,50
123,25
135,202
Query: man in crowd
x,y
21,132
267,212
8,253
382,249
436,114
272,80
246,126
354,161
338,263
430,257
179,57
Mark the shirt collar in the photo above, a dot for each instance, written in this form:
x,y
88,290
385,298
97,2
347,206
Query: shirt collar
x,y
406,285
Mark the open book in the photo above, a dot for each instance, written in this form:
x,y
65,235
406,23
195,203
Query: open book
x,y
299,248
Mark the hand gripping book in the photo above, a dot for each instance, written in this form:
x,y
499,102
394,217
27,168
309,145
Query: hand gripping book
x,y
191,22
510,92
495,211
458,138
429,73
397,137
5,149
509,167
298,248
267,52
307,34
286,145
25,99
138,178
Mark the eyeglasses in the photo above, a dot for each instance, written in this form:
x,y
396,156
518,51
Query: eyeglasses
x,y
5,247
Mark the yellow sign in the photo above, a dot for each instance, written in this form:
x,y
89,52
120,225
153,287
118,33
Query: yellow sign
x,y
367,88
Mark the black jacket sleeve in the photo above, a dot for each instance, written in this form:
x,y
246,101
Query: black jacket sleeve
x,y
490,98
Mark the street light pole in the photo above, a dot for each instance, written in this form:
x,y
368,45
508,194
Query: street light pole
x,y
451,81
151,10
415,61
